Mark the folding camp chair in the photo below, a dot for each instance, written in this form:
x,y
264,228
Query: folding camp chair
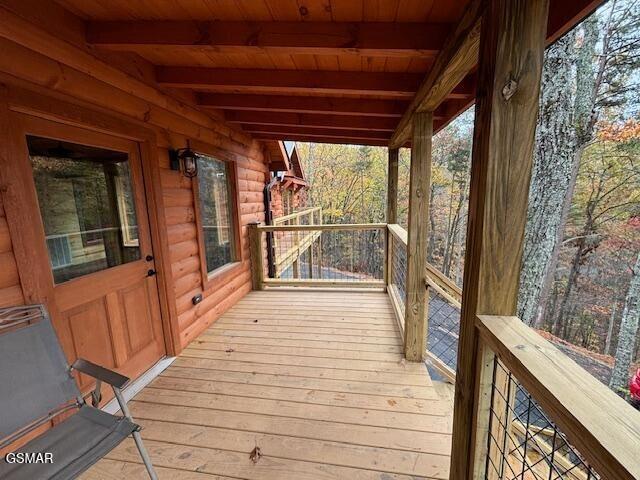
x,y
36,385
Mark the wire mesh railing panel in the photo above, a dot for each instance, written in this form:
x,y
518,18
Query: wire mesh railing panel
x,y
443,329
523,442
398,268
330,255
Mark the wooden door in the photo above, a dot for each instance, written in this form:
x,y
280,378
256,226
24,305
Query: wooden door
x,y
103,293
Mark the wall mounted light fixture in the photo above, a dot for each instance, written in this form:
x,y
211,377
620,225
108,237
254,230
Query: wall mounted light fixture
x,y
185,160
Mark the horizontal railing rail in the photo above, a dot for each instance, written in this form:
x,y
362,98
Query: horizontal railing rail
x,y
326,226
312,215
541,415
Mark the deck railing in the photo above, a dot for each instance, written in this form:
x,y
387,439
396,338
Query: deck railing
x,y
542,416
397,271
445,298
306,216
316,255
538,414
287,247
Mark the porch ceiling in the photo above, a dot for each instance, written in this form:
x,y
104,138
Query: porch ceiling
x,y
338,71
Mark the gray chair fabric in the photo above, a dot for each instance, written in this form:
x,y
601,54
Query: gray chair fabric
x,y
34,375
36,385
75,445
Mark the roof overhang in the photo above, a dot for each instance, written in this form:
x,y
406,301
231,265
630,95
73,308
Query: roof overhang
x,y
307,74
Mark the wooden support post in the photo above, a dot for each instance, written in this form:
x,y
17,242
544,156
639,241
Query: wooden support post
x,y
392,187
415,323
511,52
255,244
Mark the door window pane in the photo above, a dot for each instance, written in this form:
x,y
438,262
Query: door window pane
x,y
214,191
87,206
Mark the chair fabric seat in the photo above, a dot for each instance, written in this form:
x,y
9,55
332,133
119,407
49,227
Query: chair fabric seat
x,y
75,444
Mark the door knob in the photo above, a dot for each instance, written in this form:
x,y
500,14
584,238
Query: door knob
x,y
151,272
148,258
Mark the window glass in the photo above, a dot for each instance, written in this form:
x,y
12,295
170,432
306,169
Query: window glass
x,y
214,191
87,206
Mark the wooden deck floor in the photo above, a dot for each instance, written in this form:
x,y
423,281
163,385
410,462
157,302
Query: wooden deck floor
x,y
316,380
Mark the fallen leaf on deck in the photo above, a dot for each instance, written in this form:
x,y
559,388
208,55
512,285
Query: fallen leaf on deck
x,y
255,454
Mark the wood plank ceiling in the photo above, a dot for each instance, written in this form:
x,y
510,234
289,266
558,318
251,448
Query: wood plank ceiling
x,y
338,71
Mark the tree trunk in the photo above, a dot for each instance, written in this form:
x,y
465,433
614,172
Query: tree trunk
x,y
452,235
612,322
431,248
560,143
559,324
552,172
628,332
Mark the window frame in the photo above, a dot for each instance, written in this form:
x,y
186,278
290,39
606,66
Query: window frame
x,y
220,275
84,136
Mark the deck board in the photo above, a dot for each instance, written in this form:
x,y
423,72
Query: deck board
x,y
318,383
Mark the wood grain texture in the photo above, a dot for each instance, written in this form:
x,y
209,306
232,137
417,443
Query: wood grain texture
x,y
511,52
257,266
309,38
389,85
600,424
89,85
316,410
457,57
312,120
285,103
416,306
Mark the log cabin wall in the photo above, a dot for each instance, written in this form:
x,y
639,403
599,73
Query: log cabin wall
x,y
10,289
44,51
298,199
184,250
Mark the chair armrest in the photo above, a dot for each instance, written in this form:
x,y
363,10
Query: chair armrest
x,y
100,373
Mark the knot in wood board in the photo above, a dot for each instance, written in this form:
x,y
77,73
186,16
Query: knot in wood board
x,y
509,89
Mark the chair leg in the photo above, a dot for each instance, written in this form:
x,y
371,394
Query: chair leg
x,y
136,435
145,455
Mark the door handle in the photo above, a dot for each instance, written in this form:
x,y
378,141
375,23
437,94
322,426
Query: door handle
x,y
148,258
151,272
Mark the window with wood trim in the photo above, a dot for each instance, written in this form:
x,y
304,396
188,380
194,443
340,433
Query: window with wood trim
x,y
217,223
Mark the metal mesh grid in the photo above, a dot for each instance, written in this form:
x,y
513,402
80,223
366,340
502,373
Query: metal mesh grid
x,y
444,328
340,255
399,267
523,443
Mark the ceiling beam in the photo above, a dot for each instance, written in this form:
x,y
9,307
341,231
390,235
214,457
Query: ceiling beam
x,y
457,58
283,131
299,104
321,82
313,120
321,139
311,38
